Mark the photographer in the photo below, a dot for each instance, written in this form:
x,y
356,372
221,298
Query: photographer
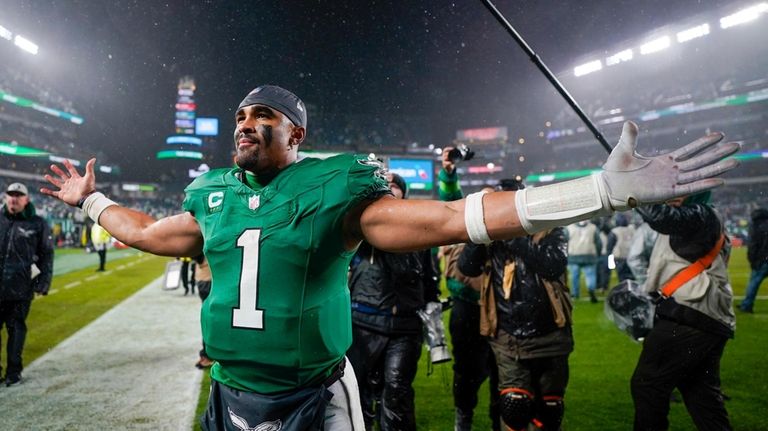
x,y
527,320
473,358
694,316
387,290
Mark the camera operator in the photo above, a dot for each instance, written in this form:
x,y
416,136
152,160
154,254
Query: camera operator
x,y
694,317
473,358
528,321
387,291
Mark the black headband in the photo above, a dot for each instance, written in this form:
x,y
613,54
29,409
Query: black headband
x,y
280,99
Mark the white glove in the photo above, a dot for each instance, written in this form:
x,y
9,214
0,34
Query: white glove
x,y
627,180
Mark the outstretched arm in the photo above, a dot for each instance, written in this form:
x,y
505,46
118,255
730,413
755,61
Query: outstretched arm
x,y
627,180
399,225
178,235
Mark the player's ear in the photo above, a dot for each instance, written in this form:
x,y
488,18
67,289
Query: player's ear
x,y
298,134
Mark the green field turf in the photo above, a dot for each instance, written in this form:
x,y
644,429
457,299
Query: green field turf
x,y
598,395
72,305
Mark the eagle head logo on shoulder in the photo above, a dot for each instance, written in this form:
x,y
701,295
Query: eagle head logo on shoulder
x,y
380,172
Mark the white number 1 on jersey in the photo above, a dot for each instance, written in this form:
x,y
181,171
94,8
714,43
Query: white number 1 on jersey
x,y
247,314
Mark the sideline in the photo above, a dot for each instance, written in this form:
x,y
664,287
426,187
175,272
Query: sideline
x,y
132,368
65,263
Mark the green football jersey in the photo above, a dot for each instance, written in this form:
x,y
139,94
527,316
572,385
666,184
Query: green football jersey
x,y
278,315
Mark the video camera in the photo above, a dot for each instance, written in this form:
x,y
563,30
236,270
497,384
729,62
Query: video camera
x,y
461,152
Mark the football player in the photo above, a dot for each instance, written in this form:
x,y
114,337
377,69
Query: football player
x,y
279,233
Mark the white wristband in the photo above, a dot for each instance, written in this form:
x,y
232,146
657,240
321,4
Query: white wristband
x,y
95,204
474,219
561,204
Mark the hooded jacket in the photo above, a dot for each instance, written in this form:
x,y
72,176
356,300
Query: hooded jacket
x,y
25,238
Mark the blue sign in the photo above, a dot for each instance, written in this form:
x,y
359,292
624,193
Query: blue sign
x,y
417,173
206,126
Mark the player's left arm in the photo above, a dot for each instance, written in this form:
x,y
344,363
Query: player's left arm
x,y
627,180
399,225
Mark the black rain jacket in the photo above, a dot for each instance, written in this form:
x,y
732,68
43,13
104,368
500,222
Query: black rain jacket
x,y
527,313
387,289
25,238
757,249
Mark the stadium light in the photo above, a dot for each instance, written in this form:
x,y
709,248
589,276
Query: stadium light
x,y
592,66
693,33
619,57
25,44
5,33
655,45
743,16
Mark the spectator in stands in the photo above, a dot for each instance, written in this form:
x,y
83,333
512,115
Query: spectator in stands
x,y
387,290
527,317
619,241
694,317
100,240
203,289
25,243
473,360
583,246
757,254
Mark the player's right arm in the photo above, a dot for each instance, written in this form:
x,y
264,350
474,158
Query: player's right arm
x,y
177,235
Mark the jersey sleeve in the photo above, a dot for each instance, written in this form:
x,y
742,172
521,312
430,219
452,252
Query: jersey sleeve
x,y
366,179
191,200
195,191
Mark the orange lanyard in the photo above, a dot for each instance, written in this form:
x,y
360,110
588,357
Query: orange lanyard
x,y
693,269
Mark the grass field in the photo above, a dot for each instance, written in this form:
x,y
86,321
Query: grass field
x,y
78,297
598,394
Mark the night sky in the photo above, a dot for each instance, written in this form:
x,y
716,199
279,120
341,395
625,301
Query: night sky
x,y
450,64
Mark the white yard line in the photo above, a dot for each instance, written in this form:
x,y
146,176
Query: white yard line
x,y
73,284
132,368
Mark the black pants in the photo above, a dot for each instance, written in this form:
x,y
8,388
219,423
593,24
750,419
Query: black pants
x,y
603,272
679,356
102,258
13,314
385,367
203,289
185,277
473,360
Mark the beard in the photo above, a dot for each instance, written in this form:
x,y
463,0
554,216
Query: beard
x,y
248,158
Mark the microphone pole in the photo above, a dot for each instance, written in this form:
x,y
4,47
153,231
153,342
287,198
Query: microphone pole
x,y
545,70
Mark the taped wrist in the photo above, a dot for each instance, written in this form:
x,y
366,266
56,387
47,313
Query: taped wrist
x,y
95,204
563,203
474,219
